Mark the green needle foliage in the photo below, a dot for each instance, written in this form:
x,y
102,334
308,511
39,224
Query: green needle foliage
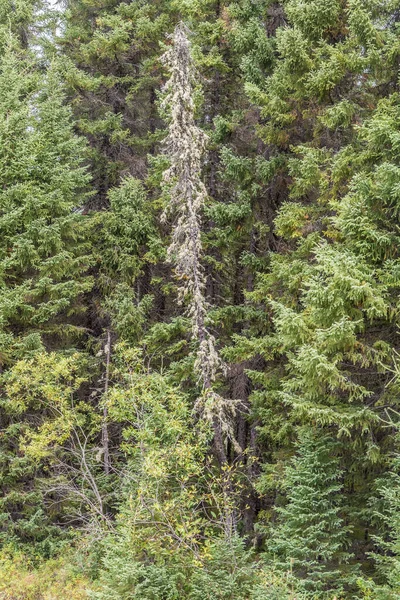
x,y
311,537
44,261
201,402
43,256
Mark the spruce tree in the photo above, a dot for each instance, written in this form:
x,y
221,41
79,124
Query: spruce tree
x,y
385,515
279,172
43,258
112,69
330,286
389,563
311,536
43,264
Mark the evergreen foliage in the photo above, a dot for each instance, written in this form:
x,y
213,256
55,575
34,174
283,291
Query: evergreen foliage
x,y
44,277
199,275
311,537
43,257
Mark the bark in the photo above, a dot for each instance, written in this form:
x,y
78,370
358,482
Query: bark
x,y
104,427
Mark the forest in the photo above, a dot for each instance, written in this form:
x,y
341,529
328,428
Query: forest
x,y
200,300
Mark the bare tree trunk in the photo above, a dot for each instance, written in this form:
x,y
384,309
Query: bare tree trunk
x,y
185,146
104,427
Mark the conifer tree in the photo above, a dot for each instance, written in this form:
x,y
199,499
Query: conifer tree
x,y
185,146
43,257
112,70
385,512
279,179
310,540
43,263
389,564
327,295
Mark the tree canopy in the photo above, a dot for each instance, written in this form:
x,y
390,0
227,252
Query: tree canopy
x,y
199,307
